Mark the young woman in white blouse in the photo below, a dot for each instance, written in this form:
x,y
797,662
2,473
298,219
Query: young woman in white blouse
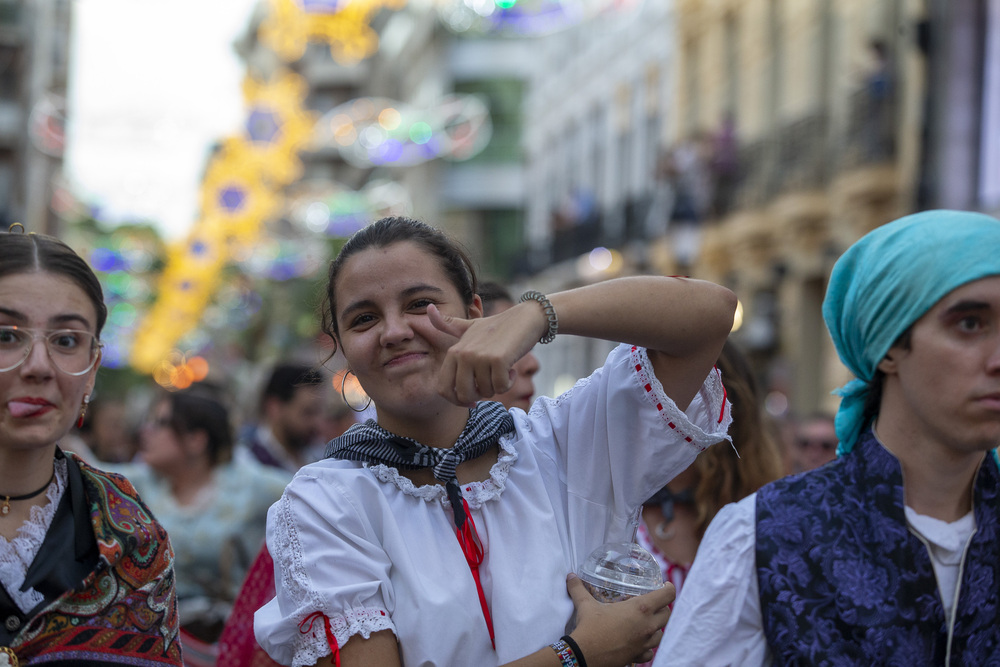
x,y
443,534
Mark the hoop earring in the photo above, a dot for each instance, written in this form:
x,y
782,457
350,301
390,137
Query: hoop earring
x,y
83,410
343,394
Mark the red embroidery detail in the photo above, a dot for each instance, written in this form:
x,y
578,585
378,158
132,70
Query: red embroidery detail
x,y
688,439
638,367
649,387
659,406
671,425
331,639
634,348
468,539
722,412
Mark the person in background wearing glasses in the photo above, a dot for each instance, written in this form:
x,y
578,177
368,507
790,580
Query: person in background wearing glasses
x,y
213,504
814,442
86,573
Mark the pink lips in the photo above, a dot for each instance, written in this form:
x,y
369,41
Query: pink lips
x,y
403,358
28,407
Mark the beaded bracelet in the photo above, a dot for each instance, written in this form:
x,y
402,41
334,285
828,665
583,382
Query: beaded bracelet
x,y
565,653
550,313
569,641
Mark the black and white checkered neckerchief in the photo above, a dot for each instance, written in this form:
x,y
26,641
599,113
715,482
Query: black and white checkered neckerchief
x,y
370,443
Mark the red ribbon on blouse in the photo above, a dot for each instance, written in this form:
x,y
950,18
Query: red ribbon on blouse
x,y
468,539
330,638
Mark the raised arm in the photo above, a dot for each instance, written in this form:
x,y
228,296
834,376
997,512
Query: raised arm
x,y
681,321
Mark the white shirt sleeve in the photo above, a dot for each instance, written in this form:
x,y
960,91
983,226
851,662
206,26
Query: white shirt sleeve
x,y
717,621
327,559
617,438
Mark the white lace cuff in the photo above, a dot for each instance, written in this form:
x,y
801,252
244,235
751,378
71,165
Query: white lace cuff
x,y
712,400
361,621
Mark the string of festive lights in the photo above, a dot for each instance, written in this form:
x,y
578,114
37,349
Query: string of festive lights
x,y
522,18
239,191
372,131
344,25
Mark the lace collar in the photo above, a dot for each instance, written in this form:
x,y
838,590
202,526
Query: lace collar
x,y
475,493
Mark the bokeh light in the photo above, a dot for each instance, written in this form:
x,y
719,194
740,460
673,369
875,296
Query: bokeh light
x,y
523,18
379,131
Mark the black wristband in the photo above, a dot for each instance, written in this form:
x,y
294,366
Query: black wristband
x,y
576,650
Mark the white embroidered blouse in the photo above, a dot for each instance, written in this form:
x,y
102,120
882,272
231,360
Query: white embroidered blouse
x,y
366,548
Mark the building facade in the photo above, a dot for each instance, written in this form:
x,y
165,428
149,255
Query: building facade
x,y
34,39
418,63
598,101
817,121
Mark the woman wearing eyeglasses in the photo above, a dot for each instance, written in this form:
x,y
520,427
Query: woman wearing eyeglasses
x,y
86,573
212,503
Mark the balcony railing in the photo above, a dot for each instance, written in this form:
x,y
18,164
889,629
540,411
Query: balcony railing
x,y
805,154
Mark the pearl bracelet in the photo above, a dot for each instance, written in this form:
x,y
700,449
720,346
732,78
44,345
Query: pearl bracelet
x,y
550,313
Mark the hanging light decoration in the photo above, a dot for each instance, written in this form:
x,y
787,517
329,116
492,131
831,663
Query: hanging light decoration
x,y
374,131
522,18
344,25
331,208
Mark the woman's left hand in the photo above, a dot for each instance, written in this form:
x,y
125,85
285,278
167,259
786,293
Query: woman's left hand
x,y
479,365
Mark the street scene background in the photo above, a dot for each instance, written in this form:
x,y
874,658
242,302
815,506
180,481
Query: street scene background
x,y
744,142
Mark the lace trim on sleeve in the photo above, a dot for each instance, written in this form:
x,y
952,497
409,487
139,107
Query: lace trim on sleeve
x,y
711,392
313,644
17,555
360,621
310,647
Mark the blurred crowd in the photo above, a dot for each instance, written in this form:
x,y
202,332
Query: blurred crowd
x,y
209,469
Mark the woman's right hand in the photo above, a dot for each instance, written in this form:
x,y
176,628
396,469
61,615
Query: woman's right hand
x,y
479,364
619,633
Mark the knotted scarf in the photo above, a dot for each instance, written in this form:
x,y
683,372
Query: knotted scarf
x,y
370,443
887,280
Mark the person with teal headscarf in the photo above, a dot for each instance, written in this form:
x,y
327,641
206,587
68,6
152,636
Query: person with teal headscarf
x,y
890,554
885,282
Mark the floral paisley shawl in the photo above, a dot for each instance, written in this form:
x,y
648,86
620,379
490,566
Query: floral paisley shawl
x,y
124,612
844,582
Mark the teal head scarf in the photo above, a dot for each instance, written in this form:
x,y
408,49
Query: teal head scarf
x,y
887,280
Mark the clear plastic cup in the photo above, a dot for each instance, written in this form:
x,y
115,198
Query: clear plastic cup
x,y
618,571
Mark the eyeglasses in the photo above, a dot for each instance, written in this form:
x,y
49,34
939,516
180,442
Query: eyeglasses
x,y
825,445
72,351
159,422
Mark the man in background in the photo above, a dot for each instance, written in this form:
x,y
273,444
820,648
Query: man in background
x,y
291,411
814,442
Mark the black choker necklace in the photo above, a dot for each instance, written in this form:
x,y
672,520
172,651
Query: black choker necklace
x,y
5,506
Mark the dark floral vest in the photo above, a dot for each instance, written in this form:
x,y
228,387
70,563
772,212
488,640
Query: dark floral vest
x,y
844,582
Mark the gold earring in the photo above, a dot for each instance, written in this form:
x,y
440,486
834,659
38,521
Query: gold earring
x,y
83,410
